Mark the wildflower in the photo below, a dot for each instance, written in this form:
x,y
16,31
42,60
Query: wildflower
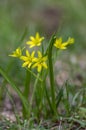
x,y
28,59
17,53
35,41
58,43
40,62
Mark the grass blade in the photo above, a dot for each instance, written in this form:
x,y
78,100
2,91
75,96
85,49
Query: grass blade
x,y
16,88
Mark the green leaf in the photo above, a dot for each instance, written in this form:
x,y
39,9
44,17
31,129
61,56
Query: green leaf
x,y
51,73
59,97
16,88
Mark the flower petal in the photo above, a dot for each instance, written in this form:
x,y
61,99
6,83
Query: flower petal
x,y
39,54
39,68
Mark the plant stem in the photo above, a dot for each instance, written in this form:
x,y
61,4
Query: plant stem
x,y
51,73
27,84
34,89
26,92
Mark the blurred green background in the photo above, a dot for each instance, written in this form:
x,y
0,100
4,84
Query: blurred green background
x,y
21,18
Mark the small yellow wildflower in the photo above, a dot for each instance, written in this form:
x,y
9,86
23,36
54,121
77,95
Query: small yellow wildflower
x,y
40,62
17,53
28,59
58,43
35,41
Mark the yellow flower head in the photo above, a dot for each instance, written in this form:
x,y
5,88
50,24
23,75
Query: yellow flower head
x,y
17,53
40,62
28,59
58,43
35,41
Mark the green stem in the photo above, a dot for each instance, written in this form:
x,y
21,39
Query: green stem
x,y
26,92
27,84
51,73
33,74
48,99
34,89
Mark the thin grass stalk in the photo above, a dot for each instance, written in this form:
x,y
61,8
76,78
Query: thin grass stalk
x,y
13,106
16,88
34,90
48,99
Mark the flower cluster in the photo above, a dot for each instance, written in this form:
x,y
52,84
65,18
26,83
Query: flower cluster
x,y
29,59
58,43
39,61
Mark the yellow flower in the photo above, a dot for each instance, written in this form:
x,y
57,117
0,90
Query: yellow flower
x,y
28,59
35,41
17,53
40,62
58,43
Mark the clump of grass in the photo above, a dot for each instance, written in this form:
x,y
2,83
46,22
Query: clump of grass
x,y
46,100
41,60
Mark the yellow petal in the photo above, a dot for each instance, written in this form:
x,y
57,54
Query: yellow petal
x,y
29,42
29,65
32,45
70,40
60,40
34,65
27,53
42,38
39,44
25,64
65,44
45,65
37,35
32,38
39,54
39,68
33,53
63,47
13,55
24,58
